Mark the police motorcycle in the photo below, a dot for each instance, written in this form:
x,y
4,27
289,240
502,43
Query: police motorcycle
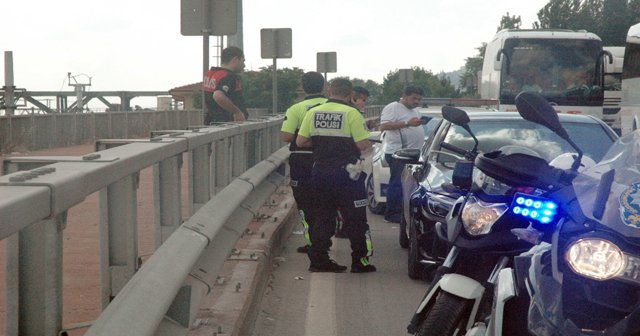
x,y
584,274
478,227
539,206
584,277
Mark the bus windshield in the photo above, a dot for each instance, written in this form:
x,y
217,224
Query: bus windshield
x,y
566,72
631,62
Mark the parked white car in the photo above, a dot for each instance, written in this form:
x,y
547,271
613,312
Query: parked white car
x,y
378,180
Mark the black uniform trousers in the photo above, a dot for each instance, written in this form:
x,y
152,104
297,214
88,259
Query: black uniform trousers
x,y
300,165
333,189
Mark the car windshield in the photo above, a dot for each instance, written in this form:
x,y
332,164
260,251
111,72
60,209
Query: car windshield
x,y
430,128
431,125
494,134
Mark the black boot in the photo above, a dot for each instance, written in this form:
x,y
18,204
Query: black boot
x,y
362,265
330,266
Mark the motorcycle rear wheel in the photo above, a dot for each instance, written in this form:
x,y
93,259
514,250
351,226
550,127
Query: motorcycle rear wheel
x,y
447,316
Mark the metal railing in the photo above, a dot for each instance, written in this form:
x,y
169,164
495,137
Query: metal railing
x,y
40,131
30,132
34,205
163,294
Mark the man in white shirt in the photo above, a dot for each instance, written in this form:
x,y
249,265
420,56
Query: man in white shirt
x,y
403,129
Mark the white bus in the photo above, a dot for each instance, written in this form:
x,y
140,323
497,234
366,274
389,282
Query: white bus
x,y
630,104
613,88
565,66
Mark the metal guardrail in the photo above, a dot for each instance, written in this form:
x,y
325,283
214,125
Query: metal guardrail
x,y
188,261
34,205
39,131
162,296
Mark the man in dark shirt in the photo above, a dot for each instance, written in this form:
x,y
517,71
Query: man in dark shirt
x,y
223,93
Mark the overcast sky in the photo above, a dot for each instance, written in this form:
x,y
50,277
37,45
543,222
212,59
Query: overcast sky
x,y
136,44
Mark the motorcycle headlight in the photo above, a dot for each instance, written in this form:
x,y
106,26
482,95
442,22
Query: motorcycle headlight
x,y
596,258
478,217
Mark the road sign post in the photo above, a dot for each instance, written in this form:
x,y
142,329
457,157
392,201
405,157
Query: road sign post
x,y
327,62
406,76
208,17
275,43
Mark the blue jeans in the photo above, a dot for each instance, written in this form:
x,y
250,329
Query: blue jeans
x,y
394,190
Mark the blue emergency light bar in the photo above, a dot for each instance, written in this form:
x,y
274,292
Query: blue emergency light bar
x,y
533,207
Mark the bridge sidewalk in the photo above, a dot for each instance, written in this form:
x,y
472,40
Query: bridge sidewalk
x,y
228,310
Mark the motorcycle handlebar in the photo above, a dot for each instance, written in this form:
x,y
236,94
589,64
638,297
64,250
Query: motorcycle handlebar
x,y
455,149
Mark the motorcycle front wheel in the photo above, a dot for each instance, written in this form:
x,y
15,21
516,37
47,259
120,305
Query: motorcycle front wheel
x,y
447,316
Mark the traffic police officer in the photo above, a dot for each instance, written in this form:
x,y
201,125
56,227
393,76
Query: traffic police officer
x,y
337,133
301,159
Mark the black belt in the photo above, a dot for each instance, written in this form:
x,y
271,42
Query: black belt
x,y
328,166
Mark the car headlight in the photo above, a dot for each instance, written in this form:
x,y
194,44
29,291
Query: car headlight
x,y
596,258
490,185
478,217
438,205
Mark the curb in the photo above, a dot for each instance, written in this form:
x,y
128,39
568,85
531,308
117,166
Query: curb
x,y
232,306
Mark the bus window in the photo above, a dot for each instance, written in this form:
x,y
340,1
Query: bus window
x,y
630,104
564,71
631,68
613,82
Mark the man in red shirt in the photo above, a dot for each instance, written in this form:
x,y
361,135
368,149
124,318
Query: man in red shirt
x,y
223,93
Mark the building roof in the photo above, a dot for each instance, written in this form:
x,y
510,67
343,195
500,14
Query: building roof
x,y
180,92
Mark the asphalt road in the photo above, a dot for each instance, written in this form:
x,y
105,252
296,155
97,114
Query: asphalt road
x,y
298,302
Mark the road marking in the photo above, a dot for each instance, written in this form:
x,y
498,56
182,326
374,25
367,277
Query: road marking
x,y
321,317
321,309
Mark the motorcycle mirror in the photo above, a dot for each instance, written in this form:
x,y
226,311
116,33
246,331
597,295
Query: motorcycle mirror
x,y
459,117
455,115
535,108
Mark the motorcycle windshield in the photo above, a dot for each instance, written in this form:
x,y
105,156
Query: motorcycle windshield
x,y
622,207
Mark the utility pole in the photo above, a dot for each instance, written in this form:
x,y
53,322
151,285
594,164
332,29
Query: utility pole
x,y
205,18
9,99
79,88
237,39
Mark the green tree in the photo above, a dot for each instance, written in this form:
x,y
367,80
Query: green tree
x,y
510,22
589,16
197,100
433,86
609,19
616,21
257,87
558,14
634,12
472,67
